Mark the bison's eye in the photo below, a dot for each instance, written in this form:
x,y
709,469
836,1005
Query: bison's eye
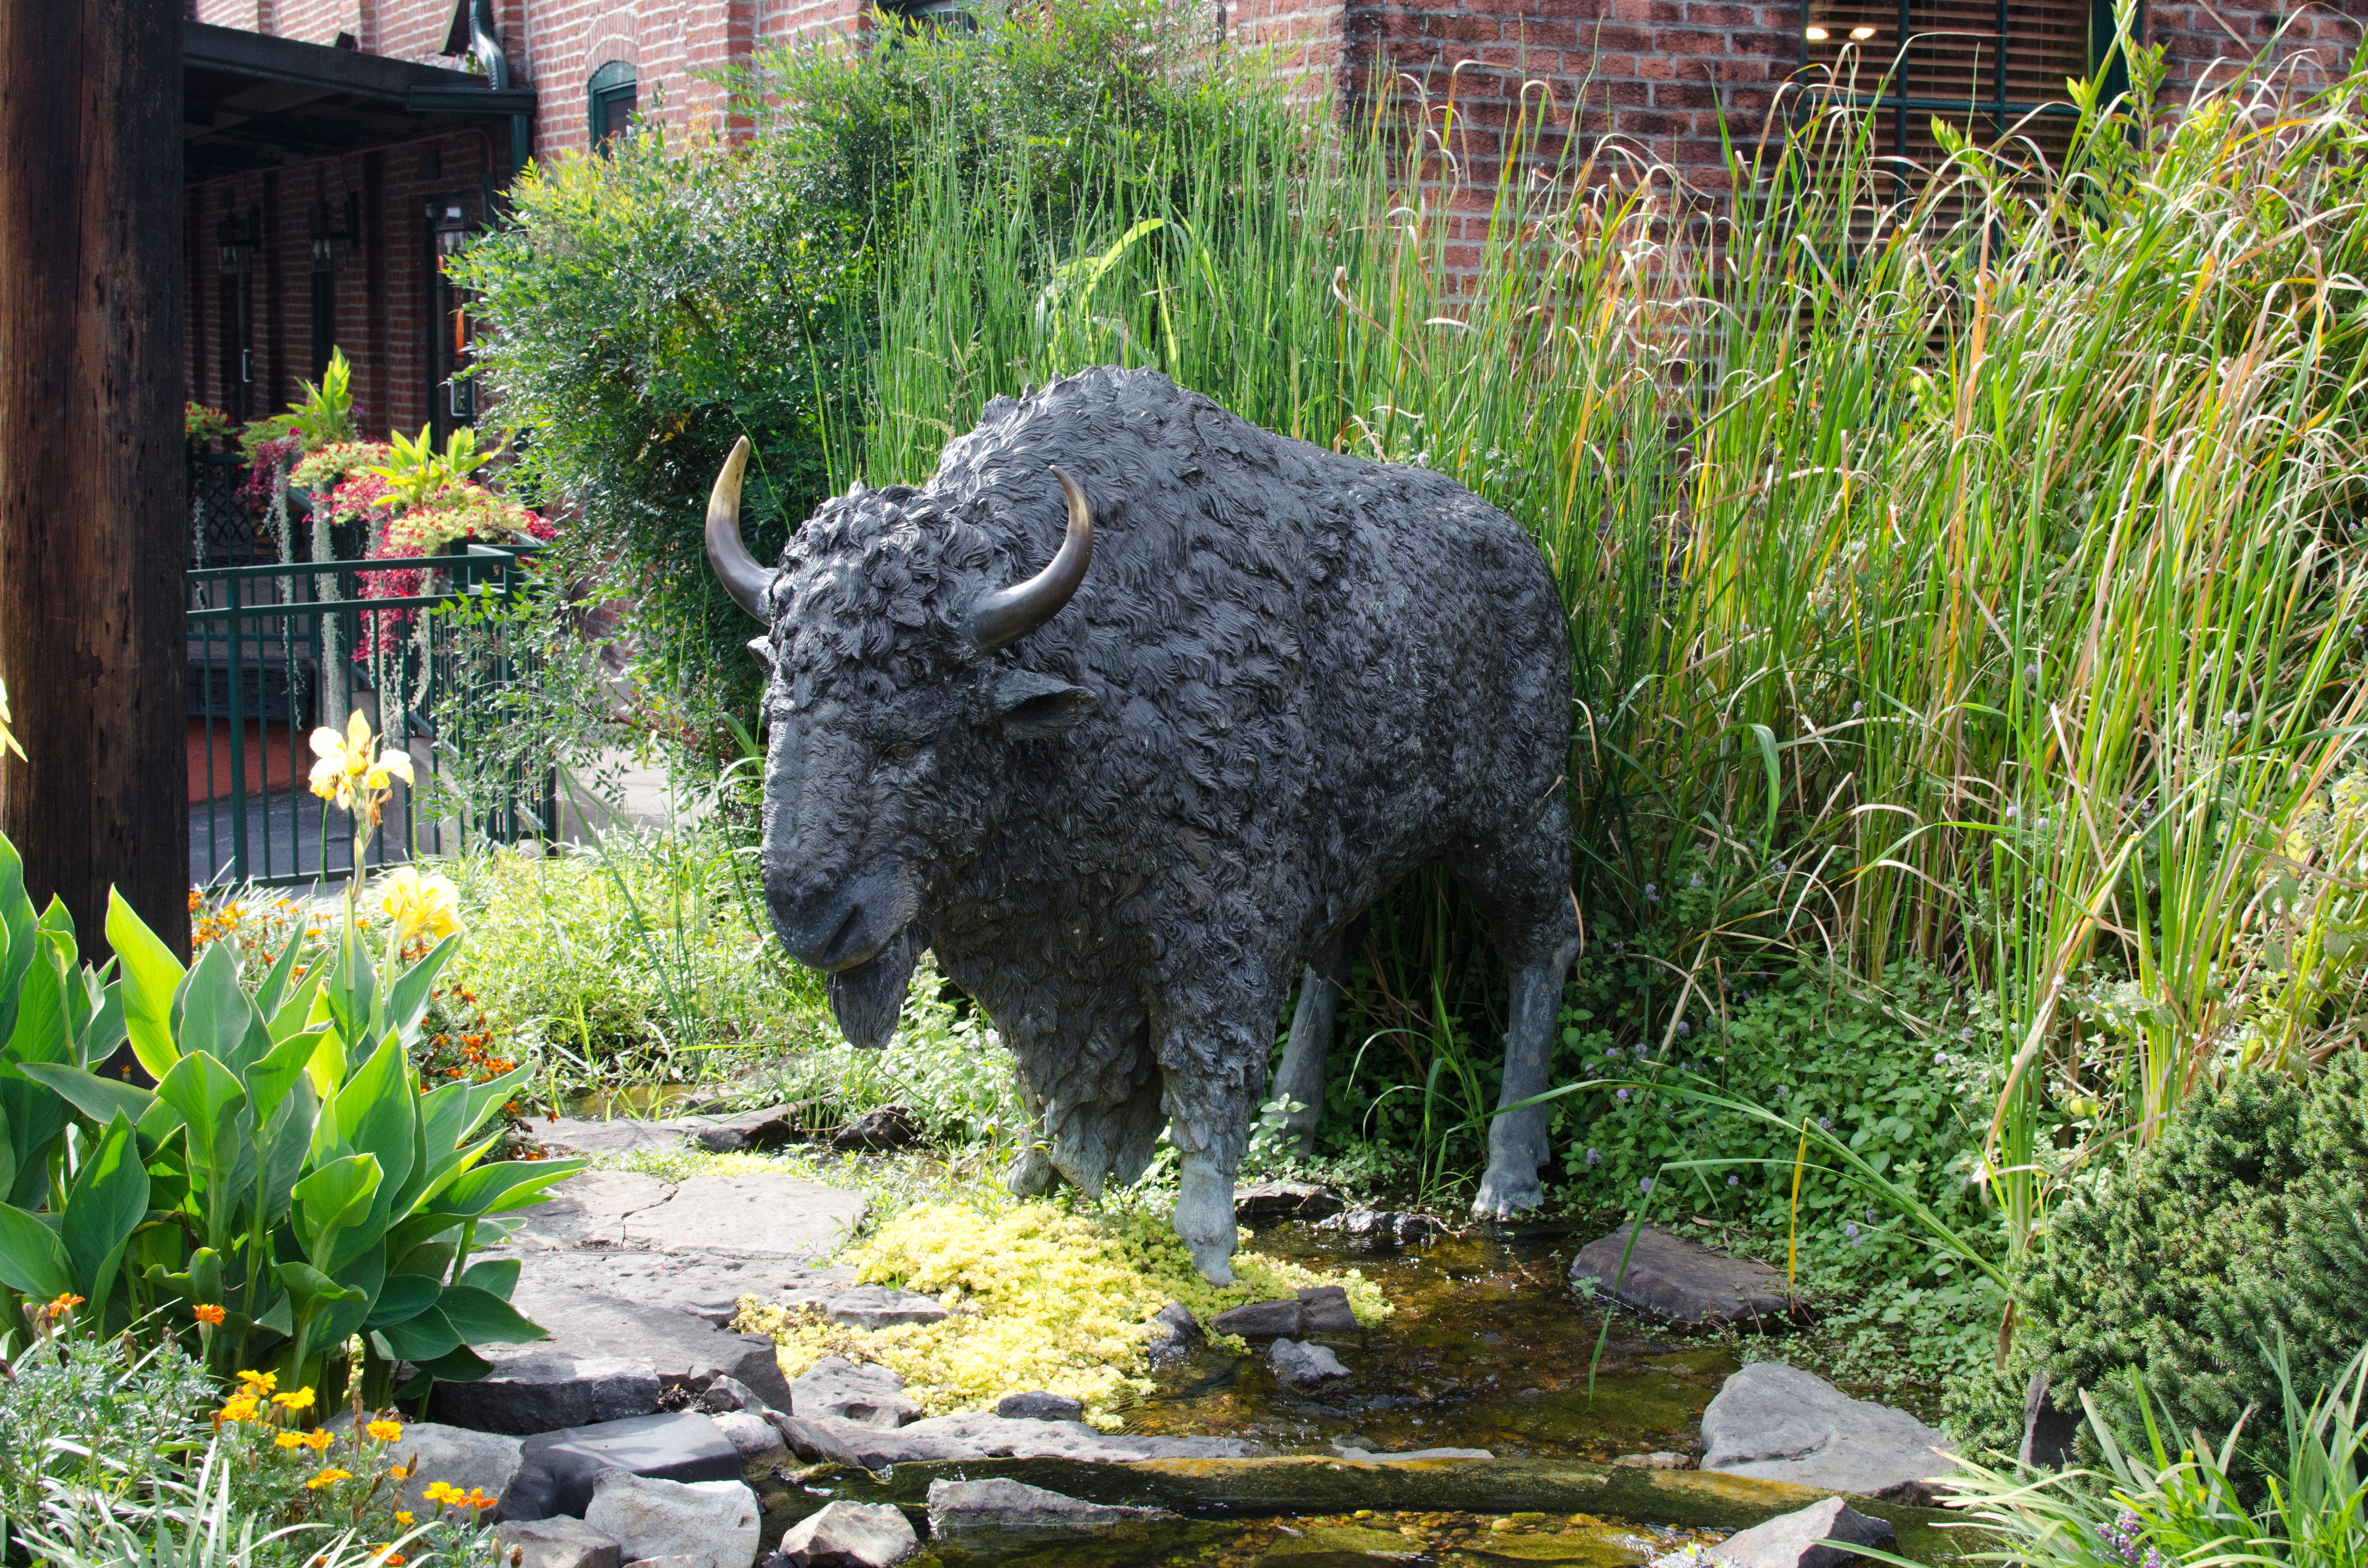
x,y
903,750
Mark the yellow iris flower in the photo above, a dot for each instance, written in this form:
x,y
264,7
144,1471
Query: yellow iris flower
x,y
417,905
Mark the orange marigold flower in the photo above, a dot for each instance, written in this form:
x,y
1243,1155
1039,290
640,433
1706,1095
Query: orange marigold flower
x,y
65,1304
257,1384
291,1440
442,1492
301,1400
209,1314
385,1431
328,1477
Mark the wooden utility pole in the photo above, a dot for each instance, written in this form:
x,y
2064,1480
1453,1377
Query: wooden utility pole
x,y
92,471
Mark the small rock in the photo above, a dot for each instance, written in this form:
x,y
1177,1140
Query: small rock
x,y
543,1390
1305,1364
485,1461
1261,1318
768,1129
1790,1540
1682,1280
562,1542
1654,1462
1286,1201
1324,1309
1038,1406
839,1390
557,1471
812,1442
1383,1227
713,1524
1366,1456
1779,1423
848,1535
724,1392
1173,1327
880,1306
755,1437
997,1518
889,1126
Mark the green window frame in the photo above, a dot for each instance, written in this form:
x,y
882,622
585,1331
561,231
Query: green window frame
x,y
609,100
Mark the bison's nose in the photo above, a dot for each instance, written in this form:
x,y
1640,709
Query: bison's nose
x,y
832,932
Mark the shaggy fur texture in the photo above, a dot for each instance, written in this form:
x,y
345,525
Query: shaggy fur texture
x,y
1289,680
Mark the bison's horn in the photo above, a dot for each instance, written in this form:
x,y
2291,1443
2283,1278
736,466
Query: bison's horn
x,y
743,577
1001,614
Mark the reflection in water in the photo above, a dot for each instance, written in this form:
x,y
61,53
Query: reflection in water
x,y
1488,1349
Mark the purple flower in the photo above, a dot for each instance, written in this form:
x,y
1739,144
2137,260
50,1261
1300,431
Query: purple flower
x,y
1643,1183
1826,1123
1735,1181
1621,1094
1652,892
1594,1156
1684,1027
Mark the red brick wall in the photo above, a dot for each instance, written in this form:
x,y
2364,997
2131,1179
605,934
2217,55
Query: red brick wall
x,y
2205,43
382,278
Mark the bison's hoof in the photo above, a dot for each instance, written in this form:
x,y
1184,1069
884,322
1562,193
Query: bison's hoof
x,y
1502,1197
1215,1266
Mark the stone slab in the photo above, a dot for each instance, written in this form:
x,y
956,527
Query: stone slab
x,y
1255,1320
1410,1456
976,1520
1324,1309
557,1471
848,1535
1682,1280
859,1394
1286,1201
763,1213
982,1437
433,1452
683,1350
1383,1227
542,1390
1778,1422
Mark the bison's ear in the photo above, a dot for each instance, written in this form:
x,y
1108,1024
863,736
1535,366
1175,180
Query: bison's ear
x,y
763,648
1028,705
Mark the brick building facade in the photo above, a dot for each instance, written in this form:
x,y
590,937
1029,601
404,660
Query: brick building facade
x,y
318,218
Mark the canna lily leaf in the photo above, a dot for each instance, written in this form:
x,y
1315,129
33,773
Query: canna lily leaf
x,y
479,1317
151,977
32,1259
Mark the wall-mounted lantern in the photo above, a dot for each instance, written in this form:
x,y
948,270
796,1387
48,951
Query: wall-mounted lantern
x,y
327,226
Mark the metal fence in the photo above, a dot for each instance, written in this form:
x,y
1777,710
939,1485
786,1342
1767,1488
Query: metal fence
x,y
278,648
229,526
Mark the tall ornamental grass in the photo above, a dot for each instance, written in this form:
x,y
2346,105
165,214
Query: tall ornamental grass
x,y
1960,569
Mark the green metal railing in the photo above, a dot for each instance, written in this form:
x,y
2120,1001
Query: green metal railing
x,y
278,648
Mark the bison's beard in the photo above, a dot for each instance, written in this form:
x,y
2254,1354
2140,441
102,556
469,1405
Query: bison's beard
x,y
867,998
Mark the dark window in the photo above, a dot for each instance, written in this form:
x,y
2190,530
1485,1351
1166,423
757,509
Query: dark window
x,y
1985,67
612,99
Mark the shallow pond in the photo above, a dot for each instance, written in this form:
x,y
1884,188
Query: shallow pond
x,y
1488,1349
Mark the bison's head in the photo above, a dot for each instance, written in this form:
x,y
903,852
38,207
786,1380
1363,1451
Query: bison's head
x,y
888,725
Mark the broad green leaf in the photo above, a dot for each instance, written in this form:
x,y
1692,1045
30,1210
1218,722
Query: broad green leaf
x,y
32,1259
422,1337
479,1317
274,989
514,1184
297,1010
34,1112
279,1071
377,1112
365,1275
109,1199
211,1010
499,1275
332,1197
286,1146
327,1062
151,976
401,1297
208,1098
106,1030
407,997
490,1095
17,923
98,1098
7,1153
461,1366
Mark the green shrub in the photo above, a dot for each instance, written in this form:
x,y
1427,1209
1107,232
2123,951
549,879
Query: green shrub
x,y
94,1422
2238,1231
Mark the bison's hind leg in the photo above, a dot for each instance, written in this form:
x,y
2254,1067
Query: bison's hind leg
x,y
1523,888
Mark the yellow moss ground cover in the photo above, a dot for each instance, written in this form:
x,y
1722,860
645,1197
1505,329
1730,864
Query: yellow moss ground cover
x,y
1044,1298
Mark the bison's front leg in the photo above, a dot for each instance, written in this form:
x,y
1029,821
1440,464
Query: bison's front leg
x,y
1212,1079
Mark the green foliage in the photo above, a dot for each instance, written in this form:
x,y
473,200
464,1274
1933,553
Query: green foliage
x,y
644,958
287,1174
84,1419
945,1064
322,417
414,471
2166,1498
2239,1238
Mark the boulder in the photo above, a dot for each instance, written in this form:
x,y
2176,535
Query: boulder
x,y
1286,1201
704,1285
980,1436
562,1542
755,1440
713,1524
1792,1540
1307,1365
725,1395
542,1391
889,1126
471,1461
728,1213
1173,1328
811,1442
1682,1280
1259,1319
1324,1309
1779,1423
565,1135
865,1395
848,1535
557,1471
1038,1406
1367,1455
992,1519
